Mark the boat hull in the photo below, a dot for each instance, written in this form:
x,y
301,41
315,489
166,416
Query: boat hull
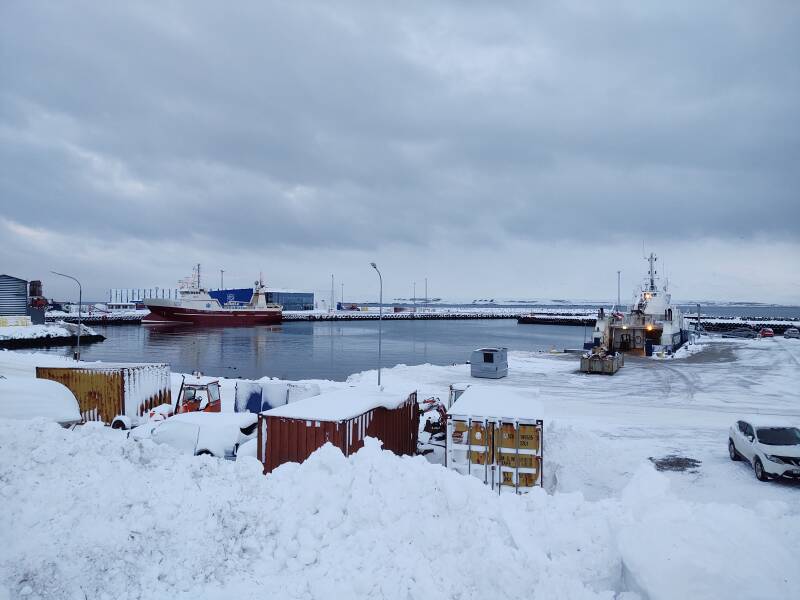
x,y
222,318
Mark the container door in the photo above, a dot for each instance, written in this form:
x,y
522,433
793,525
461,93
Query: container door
x,y
518,455
470,449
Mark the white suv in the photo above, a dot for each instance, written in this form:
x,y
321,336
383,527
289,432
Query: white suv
x,y
772,448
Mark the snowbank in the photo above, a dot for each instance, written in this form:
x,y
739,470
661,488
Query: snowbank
x,y
140,520
30,332
24,398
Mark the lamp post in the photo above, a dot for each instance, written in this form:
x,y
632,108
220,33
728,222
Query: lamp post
x,y
380,318
80,299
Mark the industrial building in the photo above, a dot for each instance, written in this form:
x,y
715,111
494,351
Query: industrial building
x,y
16,301
13,296
289,299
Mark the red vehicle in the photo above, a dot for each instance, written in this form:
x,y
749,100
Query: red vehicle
x,y
198,394
766,332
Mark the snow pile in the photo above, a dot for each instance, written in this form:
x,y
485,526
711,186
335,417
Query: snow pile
x,y
90,513
23,398
684,351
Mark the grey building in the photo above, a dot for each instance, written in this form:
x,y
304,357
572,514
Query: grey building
x,y
13,296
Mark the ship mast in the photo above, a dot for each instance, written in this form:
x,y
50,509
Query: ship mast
x,y
652,273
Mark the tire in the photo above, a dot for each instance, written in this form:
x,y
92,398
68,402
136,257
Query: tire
x,y
732,452
761,474
204,453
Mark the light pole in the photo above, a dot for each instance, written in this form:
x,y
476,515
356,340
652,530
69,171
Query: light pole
x,y
80,299
380,318
618,280
222,279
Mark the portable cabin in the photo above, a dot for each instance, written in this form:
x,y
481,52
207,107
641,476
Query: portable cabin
x,y
496,435
489,363
292,432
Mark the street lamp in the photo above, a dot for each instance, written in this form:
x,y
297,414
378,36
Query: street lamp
x,y
380,318
80,299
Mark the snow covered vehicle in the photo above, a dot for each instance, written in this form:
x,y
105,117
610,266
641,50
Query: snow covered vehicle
x,y
772,448
27,398
201,433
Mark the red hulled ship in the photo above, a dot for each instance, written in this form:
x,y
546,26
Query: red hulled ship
x,y
196,307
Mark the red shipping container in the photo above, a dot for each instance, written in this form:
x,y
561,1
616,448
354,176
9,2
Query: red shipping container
x,y
291,433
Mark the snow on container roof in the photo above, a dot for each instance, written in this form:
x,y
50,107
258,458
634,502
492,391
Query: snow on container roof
x,y
497,401
340,405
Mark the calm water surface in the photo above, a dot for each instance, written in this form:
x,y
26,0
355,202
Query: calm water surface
x,y
318,350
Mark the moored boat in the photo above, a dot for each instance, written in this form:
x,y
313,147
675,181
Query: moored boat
x,y
195,306
653,324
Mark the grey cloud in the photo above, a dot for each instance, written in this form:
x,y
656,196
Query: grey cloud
x,y
352,125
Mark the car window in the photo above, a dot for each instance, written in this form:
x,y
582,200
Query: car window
x,y
779,436
740,424
748,430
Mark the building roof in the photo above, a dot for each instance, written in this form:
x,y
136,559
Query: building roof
x,y
339,405
25,281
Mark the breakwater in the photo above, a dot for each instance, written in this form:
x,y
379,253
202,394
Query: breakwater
x,y
710,324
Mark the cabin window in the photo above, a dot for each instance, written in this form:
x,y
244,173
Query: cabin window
x,y
488,357
213,392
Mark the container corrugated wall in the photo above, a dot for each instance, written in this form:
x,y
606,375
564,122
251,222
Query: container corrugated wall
x,y
282,440
104,393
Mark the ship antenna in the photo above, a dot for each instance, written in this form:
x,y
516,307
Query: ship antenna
x,y
652,259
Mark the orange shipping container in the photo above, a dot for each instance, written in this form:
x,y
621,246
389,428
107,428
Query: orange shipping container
x,y
291,433
112,390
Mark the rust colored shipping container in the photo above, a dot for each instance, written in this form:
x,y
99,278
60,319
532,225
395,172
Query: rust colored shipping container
x,y
106,392
293,432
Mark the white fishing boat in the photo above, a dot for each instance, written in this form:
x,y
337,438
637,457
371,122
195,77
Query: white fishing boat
x,y
653,323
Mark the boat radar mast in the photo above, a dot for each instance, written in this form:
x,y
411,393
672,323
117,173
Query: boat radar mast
x,y
652,272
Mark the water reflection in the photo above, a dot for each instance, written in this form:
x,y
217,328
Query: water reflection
x,y
322,349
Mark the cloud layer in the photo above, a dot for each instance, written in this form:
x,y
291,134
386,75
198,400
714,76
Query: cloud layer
x,y
300,135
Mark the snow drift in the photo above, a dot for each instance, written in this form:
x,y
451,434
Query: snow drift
x,y
90,513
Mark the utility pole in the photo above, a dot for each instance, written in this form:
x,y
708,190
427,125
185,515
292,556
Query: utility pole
x,y
618,282
414,296
222,279
80,301
426,293
380,318
342,294
333,300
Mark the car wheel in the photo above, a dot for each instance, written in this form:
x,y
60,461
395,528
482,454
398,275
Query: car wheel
x,y
761,474
204,453
732,451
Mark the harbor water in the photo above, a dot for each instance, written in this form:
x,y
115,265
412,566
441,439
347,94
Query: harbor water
x,y
318,350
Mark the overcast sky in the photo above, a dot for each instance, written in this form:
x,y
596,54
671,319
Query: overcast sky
x,y
508,150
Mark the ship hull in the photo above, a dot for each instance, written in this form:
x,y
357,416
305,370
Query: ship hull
x,y
219,318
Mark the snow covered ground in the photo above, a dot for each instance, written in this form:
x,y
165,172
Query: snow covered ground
x,y
91,514
43,331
